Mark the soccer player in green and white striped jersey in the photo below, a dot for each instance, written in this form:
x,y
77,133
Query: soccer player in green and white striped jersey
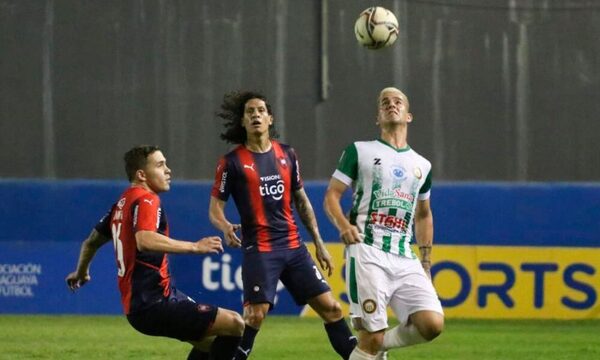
x,y
391,185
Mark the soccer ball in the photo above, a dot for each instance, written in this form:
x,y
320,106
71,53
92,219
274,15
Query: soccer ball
x,y
376,28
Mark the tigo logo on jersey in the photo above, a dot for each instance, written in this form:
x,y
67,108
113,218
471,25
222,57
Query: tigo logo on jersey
x,y
274,190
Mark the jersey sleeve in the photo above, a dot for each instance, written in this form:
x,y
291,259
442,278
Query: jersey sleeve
x,y
103,226
347,169
425,190
146,213
221,187
297,182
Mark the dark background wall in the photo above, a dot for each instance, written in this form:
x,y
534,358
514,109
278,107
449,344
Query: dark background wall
x,y
500,89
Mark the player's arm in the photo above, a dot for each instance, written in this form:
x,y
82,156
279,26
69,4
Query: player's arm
x,y
308,218
424,233
333,208
147,240
88,250
216,214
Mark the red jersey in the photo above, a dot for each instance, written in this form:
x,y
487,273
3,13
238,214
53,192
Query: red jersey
x,y
143,276
262,185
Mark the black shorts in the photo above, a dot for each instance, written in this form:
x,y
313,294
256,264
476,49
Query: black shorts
x,y
262,270
177,316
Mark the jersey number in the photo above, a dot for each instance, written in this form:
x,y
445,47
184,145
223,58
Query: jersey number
x,y
116,232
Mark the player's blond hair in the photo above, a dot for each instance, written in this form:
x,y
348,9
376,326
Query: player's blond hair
x,y
394,90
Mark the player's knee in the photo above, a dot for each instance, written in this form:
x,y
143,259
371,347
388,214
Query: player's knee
x,y
335,311
254,318
237,324
432,328
330,310
370,342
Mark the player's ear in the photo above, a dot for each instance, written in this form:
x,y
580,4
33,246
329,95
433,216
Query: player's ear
x,y
409,118
140,175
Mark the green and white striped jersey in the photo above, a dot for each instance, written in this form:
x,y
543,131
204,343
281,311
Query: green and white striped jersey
x,y
387,183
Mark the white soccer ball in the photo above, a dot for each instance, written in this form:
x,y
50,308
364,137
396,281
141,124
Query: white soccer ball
x,y
376,28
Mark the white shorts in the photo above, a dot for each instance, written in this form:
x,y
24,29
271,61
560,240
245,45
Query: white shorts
x,y
376,279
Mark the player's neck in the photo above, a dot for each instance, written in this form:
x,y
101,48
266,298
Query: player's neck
x,y
396,137
259,144
142,185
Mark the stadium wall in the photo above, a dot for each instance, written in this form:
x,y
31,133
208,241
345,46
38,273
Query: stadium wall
x,y
502,250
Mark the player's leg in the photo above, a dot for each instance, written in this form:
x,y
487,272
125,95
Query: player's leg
x,y
224,336
260,275
368,286
306,284
417,307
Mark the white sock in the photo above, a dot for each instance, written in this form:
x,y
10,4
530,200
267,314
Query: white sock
x,y
401,336
358,354
382,355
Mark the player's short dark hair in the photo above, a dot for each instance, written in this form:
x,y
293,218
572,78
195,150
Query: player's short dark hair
x,y
232,111
136,159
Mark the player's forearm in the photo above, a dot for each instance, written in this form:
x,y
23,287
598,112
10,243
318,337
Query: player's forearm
x,y
308,218
424,236
153,241
89,247
216,215
334,211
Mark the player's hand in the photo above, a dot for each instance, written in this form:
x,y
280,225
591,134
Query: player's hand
x,y
324,259
231,238
209,245
75,280
350,235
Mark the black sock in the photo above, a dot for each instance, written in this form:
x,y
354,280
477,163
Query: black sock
x,y
341,338
197,354
224,347
243,350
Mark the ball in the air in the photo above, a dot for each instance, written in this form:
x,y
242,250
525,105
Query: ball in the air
x,y
376,28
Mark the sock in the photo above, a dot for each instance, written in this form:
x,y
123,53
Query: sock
x,y
341,338
197,354
358,354
400,336
245,346
224,347
381,355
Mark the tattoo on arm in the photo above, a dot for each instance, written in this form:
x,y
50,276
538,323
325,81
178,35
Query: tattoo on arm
x,y
306,213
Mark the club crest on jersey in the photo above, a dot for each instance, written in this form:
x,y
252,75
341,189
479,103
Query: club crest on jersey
x,y
418,173
369,306
282,162
398,172
121,203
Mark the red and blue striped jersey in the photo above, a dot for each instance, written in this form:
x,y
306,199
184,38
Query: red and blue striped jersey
x,y
143,276
262,185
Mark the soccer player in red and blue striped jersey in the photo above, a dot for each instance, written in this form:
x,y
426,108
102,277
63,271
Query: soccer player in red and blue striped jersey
x,y
137,225
263,177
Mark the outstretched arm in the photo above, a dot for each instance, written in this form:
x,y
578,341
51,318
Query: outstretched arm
x,y
307,215
216,214
89,247
333,208
424,233
152,241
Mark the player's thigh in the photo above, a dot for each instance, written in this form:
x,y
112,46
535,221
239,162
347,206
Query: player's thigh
x,y
368,287
260,275
415,293
227,323
302,277
184,320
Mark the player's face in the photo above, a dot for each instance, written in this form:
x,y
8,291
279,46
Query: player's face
x,y
157,173
393,109
256,118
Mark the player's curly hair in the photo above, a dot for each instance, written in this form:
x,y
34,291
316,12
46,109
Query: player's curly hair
x,y
136,159
232,111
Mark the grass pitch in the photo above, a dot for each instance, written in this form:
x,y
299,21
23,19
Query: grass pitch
x,y
111,337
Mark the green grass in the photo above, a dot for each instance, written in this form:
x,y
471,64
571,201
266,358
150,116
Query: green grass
x,y
111,337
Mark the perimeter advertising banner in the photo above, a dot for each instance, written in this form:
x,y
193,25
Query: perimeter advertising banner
x,y
501,250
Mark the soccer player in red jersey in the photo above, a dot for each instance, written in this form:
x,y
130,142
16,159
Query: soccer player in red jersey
x,y
263,177
138,227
